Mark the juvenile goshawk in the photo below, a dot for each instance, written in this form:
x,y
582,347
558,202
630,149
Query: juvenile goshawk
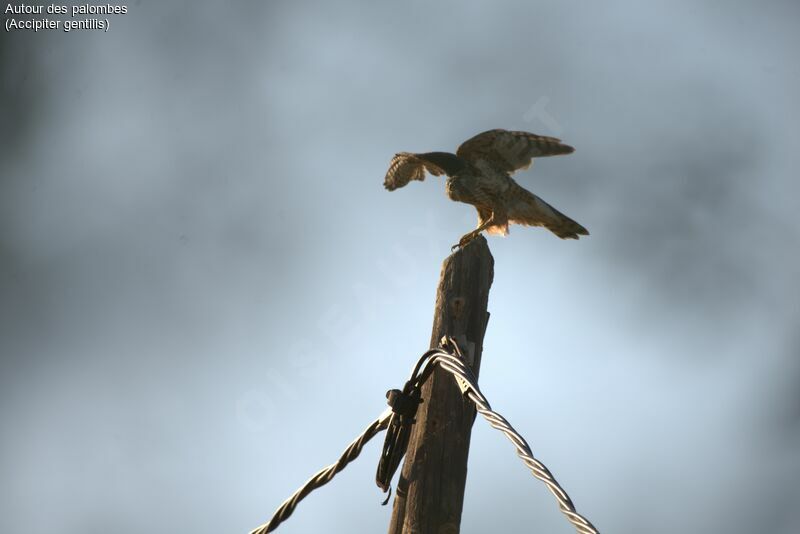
x,y
479,174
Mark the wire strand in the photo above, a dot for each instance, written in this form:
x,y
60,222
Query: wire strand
x,y
455,365
323,476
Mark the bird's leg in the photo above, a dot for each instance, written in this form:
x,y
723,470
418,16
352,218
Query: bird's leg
x,y
466,238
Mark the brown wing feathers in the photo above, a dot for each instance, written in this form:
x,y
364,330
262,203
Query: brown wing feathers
x,y
406,167
510,151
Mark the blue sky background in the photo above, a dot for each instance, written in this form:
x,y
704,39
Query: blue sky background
x,y
205,290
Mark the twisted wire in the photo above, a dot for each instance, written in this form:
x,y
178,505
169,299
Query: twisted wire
x,y
455,365
323,476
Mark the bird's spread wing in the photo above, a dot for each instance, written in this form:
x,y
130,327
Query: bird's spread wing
x,y
510,151
406,167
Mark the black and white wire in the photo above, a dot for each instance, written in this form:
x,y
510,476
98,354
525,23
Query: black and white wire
x,y
454,364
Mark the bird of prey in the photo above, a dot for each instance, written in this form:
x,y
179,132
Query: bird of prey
x,y
479,174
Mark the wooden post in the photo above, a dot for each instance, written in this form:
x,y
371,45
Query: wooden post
x,y
430,491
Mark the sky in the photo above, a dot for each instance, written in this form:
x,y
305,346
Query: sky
x,y
205,290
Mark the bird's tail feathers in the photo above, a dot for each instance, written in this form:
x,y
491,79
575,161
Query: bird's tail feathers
x,y
531,210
